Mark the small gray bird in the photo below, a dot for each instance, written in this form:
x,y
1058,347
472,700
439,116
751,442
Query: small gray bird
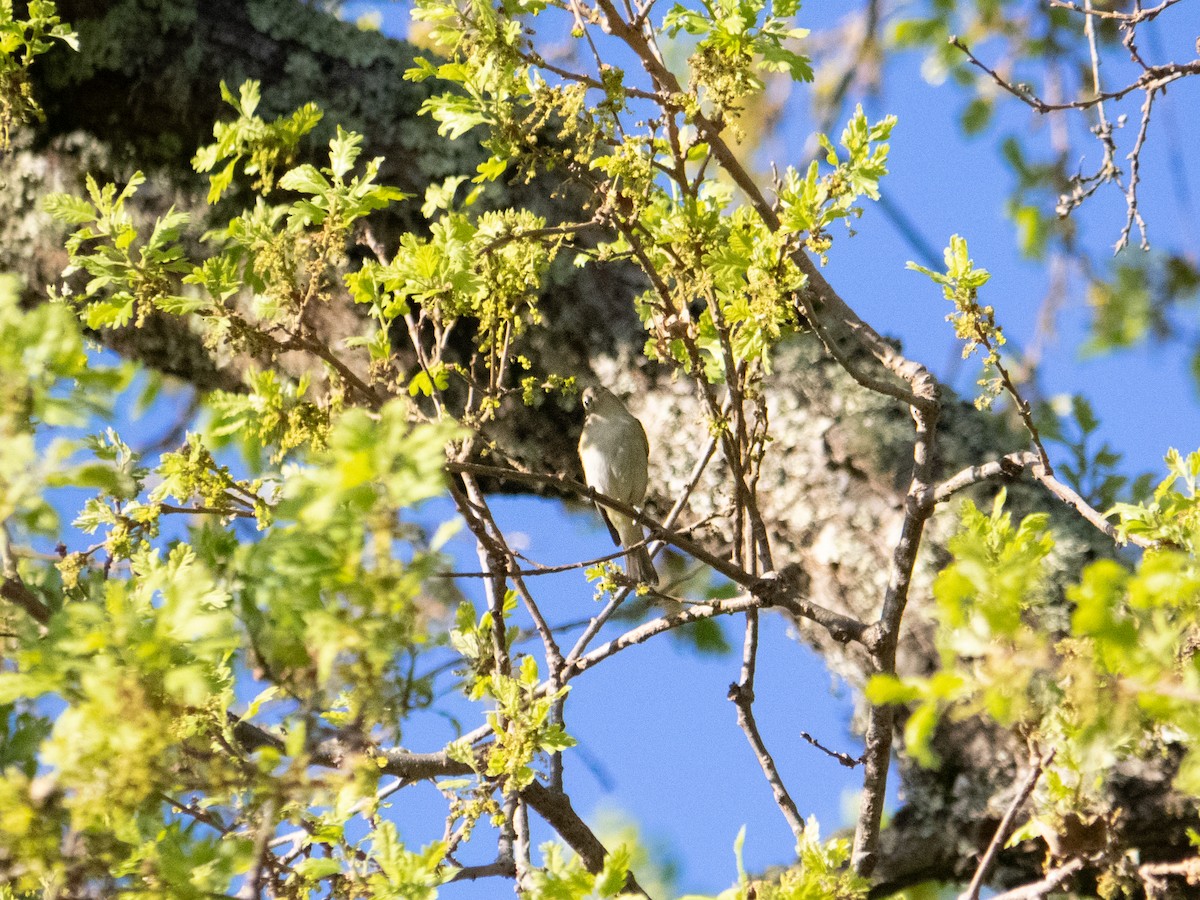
x,y
615,456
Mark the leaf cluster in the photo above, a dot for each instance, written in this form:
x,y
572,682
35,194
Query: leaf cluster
x,y
21,42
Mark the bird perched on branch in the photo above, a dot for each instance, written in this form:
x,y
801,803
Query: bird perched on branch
x,y
615,455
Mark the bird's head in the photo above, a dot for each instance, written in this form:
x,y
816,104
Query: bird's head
x,y
600,400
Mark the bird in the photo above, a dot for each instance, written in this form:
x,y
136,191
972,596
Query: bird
x,y
615,455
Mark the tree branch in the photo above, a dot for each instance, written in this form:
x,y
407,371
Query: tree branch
x,y
817,289
774,589
742,696
1069,496
1007,467
1154,78
917,508
555,807
1005,827
845,759
501,868
647,630
13,589
1053,880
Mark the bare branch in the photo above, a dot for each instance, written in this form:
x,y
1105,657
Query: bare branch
x,y
1007,467
1155,875
555,807
501,868
206,511
845,759
772,588
1153,78
1132,213
1052,882
333,751
1004,829
742,697
1070,497
644,632
918,506
1127,18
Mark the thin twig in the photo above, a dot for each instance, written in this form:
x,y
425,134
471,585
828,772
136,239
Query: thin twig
x,y
850,762
1133,18
501,868
1132,213
205,817
533,234
1153,78
742,696
539,569
647,630
206,511
1054,879
252,886
776,591
1089,31
1070,497
1005,827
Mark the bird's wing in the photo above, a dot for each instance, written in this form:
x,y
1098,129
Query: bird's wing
x,y
612,529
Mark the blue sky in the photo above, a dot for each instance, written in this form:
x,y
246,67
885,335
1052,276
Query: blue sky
x,y
655,720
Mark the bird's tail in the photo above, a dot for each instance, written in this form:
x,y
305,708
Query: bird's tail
x,y
640,567
638,564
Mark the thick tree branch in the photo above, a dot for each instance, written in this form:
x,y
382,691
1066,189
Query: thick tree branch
x,y
14,591
917,508
555,807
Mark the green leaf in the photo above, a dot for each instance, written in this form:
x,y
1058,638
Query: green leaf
x,y
305,179
918,732
888,689
69,209
314,868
